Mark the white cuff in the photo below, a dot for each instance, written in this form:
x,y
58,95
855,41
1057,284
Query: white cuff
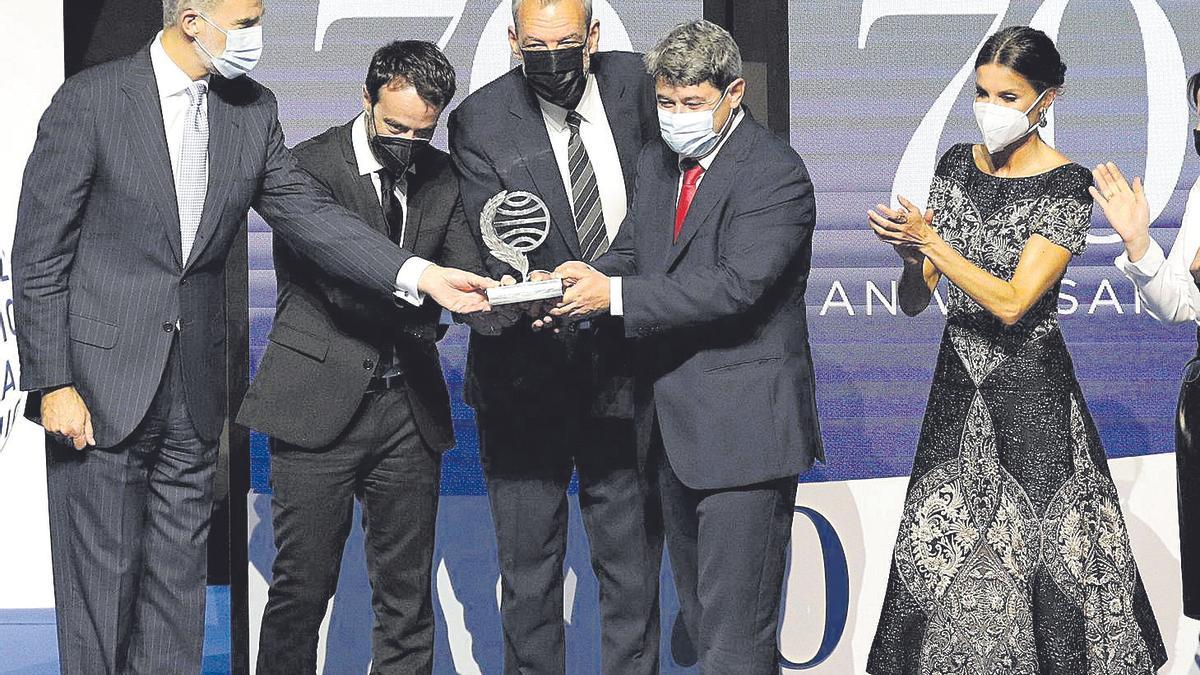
x,y
616,306
409,278
1145,268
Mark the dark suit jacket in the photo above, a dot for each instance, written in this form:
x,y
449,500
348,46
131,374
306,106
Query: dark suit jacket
x,y
498,140
328,335
723,356
98,275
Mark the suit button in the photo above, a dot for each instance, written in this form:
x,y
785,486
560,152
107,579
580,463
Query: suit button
x,y
183,283
168,327
368,364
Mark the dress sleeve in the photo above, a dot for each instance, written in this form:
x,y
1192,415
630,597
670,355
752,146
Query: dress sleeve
x,y
1065,213
940,189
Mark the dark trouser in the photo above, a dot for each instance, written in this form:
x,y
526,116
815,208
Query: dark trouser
x,y
728,557
1187,464
528,467
382,460
129,537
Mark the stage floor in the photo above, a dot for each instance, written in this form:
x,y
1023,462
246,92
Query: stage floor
x,y
28,645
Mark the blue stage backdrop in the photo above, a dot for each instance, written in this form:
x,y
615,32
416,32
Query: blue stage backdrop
x,y
880,88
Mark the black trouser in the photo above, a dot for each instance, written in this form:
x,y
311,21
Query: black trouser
x,y
1187,463
528,466
129,538
728,558
382,460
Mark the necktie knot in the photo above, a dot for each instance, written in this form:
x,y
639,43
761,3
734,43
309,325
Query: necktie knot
x,y
574,119
197,92
692,171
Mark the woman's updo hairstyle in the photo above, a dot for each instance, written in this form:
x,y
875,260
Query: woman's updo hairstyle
x,y
1028,51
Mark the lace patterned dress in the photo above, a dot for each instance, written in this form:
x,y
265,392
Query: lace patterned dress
x,y
1012,556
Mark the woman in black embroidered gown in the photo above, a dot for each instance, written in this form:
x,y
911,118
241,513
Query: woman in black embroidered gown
x,y
1012,556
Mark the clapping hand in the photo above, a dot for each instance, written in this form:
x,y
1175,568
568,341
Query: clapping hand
x,y
1124,206
907,229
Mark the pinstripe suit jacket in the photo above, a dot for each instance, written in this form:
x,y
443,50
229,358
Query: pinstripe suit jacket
x,y
99,279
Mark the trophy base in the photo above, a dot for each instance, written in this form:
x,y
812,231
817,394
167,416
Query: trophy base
x,y
528,291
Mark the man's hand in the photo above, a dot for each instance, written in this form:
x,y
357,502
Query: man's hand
x,y
458,291
64,414
539,310
587,295
493,322
571,272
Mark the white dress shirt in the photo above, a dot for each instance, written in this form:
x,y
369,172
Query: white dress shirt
x,y
615,301
1166,281
597,138
173,84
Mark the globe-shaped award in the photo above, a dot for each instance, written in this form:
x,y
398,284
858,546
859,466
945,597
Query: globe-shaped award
x,y
514,224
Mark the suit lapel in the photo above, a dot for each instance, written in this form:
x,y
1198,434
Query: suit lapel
x,y
150,139
533,143
418,190
223,130
663,201
626,131
714,188
366,197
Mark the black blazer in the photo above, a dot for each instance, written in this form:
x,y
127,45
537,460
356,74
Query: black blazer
x,y
328,335
723,355
498,141
98,277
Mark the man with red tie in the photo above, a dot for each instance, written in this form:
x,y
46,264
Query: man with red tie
x,y
709,272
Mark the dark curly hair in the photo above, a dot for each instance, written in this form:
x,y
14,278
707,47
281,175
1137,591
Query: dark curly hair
x,y
413,62
1028,51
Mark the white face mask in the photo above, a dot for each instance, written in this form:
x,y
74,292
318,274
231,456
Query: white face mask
x,y
1002,126
243,48
691,134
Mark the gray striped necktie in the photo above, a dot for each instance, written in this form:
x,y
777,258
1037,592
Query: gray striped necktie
x,y
192,186
585,191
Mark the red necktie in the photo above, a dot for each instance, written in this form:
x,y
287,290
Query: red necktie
x,y
691,178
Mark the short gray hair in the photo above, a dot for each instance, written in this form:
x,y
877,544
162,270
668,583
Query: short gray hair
x,y
694,53
172,8
587,8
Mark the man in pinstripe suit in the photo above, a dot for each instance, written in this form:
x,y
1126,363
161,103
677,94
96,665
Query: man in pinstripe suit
x,y
141,177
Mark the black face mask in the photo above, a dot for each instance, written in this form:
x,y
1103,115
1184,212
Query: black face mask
x,y
1196,138
396,154
556,75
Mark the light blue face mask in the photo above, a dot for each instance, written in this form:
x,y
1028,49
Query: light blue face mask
x,y
691,134
243,49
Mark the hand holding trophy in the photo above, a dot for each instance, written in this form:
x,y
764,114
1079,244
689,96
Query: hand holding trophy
x,y
513,225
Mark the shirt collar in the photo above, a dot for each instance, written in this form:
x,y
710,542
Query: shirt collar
x,y
589,108
707,160
363,156
171,79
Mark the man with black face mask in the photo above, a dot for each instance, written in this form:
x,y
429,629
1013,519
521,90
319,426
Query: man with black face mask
x,y
350,389
566,125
